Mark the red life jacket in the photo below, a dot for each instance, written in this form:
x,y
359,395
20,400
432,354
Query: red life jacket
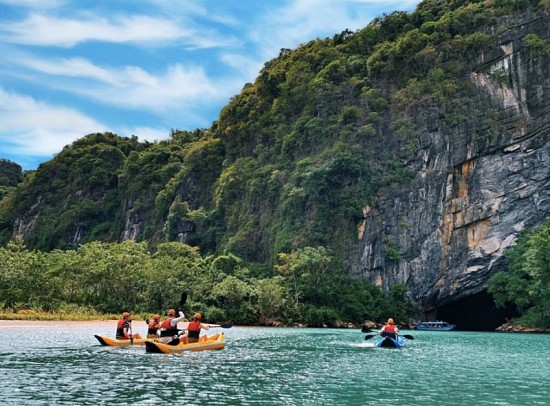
x,y
389,328
152,328
194,329
167,330
120,329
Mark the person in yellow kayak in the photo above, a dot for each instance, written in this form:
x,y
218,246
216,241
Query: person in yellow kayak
x,y
169,333
124,328
153,327
389,330
194,329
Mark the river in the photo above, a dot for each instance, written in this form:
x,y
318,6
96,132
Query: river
x,y
53,363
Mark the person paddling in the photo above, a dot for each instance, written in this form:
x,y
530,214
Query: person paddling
x,y
169,328
389,330
194,329
124,328
153,327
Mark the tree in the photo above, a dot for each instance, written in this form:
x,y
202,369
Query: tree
x,y
527,281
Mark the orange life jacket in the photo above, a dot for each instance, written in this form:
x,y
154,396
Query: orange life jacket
x,y
121,325
194,329
152,327
167,330
389,328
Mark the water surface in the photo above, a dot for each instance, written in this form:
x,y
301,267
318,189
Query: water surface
x,y
43,363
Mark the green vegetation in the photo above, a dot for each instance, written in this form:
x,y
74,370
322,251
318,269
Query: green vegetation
x,y
527,282
98,279
290,164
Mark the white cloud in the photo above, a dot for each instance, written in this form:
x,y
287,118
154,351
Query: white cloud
x,y
71,67
132,87
32,127
40,29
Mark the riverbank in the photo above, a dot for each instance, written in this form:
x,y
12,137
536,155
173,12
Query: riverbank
x,y
41,324
515,328
31,315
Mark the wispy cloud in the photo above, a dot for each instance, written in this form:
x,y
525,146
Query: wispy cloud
x,y
70,68
31,127
43,30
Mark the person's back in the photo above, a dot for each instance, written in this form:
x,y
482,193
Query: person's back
x,y
194,329
169,328
153,327
389,329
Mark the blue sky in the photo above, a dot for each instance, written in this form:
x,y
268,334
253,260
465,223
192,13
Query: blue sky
x,y
143,67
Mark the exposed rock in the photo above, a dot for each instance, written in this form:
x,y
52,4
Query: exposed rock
x,y
515,328
477,185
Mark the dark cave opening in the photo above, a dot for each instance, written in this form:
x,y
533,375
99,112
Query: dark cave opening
x,y
476,313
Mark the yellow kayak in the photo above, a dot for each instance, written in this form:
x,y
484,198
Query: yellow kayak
x,y
213,342
113,342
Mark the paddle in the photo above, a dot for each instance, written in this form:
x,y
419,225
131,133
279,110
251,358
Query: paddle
x,y
407,336
183,299
365,329
131,333
224,325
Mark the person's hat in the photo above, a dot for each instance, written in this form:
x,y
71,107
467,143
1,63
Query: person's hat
x,y
171,312
390,321
198,316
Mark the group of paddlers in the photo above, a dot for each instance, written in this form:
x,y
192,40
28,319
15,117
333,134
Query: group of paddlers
x,y
167,331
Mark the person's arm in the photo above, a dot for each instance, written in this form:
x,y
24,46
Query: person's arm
x,y
204,326
125,329
177,319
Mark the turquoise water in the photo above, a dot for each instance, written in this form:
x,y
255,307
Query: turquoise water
x,y
275,366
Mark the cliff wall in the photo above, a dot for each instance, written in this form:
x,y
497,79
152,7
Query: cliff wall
x,y
478,182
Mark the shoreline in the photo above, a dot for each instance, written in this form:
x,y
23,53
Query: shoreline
x,y
54,323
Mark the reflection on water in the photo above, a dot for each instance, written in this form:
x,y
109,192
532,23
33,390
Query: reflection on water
x,y
272,366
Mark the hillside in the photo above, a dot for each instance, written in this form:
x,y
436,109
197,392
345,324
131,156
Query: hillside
x,y
416,149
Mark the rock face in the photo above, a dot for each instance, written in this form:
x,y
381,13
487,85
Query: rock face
x,y
478,181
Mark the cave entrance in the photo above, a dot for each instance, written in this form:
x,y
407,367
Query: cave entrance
x,y
476,313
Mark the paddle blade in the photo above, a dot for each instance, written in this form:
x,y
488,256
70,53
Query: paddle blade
x,y
183,299
226,325
369,336
408,336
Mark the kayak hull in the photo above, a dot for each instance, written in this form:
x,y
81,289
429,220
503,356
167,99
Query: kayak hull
x,y
113,342
388,342
213,342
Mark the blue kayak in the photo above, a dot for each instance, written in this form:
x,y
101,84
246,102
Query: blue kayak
x,y
388,342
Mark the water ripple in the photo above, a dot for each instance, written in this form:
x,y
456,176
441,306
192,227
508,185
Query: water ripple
x,y
272,366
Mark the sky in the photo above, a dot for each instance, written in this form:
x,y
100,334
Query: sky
x,y
69,68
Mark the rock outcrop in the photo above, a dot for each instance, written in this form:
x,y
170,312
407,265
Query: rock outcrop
x,y
478,182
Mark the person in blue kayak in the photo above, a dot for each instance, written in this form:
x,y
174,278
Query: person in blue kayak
x,y
389,330
169,333
194,329
124,328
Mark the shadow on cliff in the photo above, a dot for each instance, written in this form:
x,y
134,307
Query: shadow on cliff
x,y
476,313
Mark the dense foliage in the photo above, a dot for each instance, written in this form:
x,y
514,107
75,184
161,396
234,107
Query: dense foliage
x,y
292,163
308,286
527,282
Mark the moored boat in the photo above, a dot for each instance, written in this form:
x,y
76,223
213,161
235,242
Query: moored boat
x,y
113,342
434,326
212,342
389,342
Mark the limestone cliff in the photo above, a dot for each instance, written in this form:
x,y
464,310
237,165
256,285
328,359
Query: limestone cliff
x,y
478,182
